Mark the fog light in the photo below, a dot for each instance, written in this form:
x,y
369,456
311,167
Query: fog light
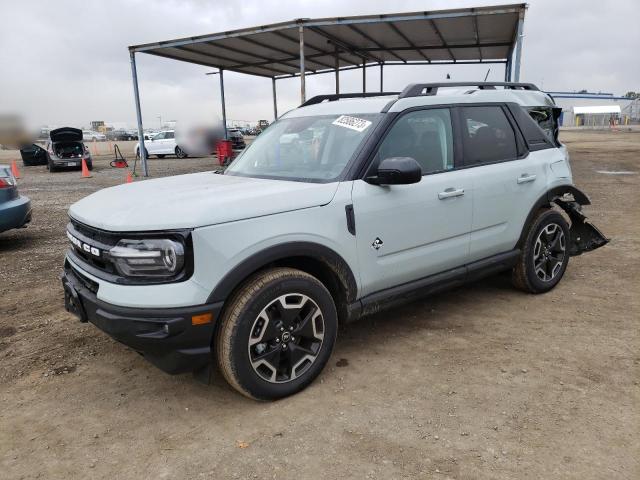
x,y
165,328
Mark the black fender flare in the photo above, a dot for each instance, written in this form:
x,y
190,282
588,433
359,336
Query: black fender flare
x,y
547,199
285,251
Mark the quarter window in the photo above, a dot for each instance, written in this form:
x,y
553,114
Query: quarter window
x,y
487,135
424,135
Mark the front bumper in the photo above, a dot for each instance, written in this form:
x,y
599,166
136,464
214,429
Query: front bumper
x,y
15,213
166,337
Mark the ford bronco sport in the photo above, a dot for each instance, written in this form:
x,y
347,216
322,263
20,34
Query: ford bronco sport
x,y
342,207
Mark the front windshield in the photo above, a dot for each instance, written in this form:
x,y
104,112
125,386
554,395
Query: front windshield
x,y
312,149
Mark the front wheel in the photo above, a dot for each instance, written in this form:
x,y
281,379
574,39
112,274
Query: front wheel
x,y
276,334
544,256
180,153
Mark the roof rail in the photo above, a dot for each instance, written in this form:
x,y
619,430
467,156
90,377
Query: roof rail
x,y
338,96
417,89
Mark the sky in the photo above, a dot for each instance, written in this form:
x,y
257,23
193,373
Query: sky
x,y
65,62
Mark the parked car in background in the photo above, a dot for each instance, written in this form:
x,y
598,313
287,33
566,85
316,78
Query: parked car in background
x,y
33,154
236,137
65,148
121,135
15,210
90,135
161,145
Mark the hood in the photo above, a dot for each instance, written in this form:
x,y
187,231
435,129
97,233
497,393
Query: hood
x,y
66,134
195,200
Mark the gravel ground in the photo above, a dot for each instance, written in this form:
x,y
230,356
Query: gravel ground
x,y
482,382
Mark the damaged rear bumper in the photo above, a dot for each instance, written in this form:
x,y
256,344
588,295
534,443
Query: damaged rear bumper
x,y
585,237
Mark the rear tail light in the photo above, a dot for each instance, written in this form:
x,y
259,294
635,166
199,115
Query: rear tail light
x,y
7,182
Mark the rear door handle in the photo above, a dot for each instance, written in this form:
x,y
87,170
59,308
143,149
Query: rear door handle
x,y
525,178
451,192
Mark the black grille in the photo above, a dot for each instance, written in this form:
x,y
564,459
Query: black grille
x,y
96,238
86,282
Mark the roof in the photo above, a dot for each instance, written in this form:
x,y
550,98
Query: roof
x,y
465,35
444,96
597,109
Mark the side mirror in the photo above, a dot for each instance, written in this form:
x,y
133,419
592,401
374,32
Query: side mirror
x,y
397,171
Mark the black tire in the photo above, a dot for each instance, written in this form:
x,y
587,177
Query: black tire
x,y
181,153
160,156
89,165
544,254
138,152
257,331
50,166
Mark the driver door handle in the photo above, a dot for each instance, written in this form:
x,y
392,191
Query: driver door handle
x,y
450,193
525,177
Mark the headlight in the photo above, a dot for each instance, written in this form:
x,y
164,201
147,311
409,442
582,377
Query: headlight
x,y
148,258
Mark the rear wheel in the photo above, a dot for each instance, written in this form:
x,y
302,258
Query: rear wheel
x,y
544,256
276,334
50,166
180,153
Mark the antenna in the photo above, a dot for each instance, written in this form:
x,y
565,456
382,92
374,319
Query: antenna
x,y
485,77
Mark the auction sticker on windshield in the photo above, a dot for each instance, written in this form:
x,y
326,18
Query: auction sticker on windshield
x,y
354,123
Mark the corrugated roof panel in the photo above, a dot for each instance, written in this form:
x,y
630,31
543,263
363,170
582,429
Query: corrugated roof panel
x,y
273,50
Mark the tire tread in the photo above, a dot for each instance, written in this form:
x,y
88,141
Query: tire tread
x,y
231,317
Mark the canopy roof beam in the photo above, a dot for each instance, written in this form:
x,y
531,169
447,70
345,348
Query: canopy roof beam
x,y
344,45
444,43
397,30
375,42
279,50
321,51
215,56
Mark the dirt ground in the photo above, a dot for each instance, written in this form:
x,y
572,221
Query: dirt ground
x,y
483,382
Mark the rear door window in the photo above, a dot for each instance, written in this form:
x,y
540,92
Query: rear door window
x,y
487,135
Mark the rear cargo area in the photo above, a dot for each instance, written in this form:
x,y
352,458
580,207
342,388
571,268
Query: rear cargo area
x,y
68,149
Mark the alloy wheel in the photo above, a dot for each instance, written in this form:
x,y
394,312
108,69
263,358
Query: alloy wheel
x,y
286,338
549,252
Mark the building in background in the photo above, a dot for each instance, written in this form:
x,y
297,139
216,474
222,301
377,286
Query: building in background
x,y
592,109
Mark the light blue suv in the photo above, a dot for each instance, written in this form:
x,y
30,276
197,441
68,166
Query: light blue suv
x,y
341,208
15,209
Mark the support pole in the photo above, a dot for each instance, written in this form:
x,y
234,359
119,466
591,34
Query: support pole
x,y
364,76
381,78
337,60
136,96
303,93
224,109
275,99
518,52
507,70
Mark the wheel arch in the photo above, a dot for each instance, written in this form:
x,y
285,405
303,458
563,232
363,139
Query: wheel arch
x,y
547,199
315,259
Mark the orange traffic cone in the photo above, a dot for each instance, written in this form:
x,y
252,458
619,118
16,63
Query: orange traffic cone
x,y
85,170
129,178
14,169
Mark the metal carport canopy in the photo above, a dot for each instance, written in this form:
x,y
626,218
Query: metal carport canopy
x,y
491,34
